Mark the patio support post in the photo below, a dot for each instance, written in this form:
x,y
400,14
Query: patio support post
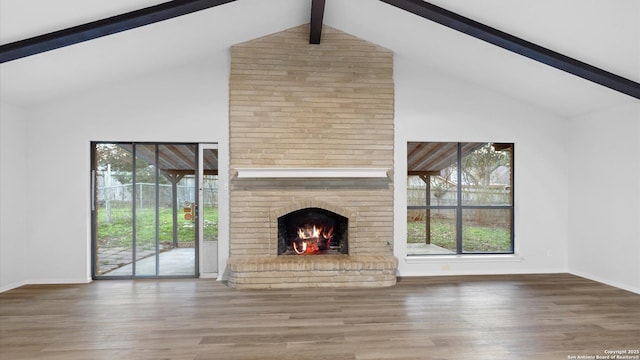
x,y
174,209
174,179
427,220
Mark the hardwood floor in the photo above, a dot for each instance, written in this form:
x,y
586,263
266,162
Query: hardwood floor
x,y
481,317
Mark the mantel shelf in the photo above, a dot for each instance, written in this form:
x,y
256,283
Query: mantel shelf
x,y
312,173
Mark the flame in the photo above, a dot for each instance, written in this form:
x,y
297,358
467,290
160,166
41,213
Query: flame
x,y
309,237
304,248
309,232
328,234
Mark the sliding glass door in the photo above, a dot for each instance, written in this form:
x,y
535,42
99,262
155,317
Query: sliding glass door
x,y
144,210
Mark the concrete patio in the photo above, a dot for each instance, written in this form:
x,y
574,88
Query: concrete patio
x,y
173,262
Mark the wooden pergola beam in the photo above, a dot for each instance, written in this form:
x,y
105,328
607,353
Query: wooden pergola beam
x,y
188,172
423,173
502,146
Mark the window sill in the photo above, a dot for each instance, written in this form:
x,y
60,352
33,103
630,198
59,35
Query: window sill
x,y
425,259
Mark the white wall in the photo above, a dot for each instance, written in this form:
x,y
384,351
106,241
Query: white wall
x,y
188,104
191,104
430,107
604,196
14,212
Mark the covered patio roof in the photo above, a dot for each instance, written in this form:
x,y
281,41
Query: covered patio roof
x,y
174,159
430,158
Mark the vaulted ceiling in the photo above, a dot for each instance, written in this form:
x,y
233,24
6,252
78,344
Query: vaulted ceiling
x,y
605,34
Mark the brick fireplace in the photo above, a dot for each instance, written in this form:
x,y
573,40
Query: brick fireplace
x,y
311,131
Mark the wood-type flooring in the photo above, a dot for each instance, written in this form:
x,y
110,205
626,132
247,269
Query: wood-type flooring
x,y
550,316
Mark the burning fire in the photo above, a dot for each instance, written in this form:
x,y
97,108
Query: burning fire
x,y
310,238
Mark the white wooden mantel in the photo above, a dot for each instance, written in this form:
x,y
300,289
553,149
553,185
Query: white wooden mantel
x,y
311,173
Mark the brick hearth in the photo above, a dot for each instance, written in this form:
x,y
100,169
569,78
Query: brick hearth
x,y
296,105
313,271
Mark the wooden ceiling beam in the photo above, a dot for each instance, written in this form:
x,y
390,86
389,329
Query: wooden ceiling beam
x,y
518,45
103,27
176,8
317,14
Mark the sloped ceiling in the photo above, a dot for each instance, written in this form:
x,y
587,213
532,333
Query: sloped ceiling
x,y
602,33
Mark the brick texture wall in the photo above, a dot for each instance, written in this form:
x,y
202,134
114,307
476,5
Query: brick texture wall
x,y
296,105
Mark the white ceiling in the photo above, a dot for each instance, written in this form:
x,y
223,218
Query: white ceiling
x,y
603,33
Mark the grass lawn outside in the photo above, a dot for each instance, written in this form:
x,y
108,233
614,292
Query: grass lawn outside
x,y
475,238
118,232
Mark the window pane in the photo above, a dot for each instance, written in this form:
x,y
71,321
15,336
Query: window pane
x,y
486,174
114,230
435,164
486,230
431,231
443,189
416,191
440,190
145,183
210,197
176,187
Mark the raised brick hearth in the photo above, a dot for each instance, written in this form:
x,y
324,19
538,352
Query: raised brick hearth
x,y
313,271
299,106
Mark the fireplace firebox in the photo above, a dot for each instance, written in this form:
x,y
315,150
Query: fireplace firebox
x,y
312,231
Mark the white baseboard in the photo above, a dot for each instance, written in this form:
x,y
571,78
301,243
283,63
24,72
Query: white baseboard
x,y
633,289
404,273
44,282
57,281
208,275
12,286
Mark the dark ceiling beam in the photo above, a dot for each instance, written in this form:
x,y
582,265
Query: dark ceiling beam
x,y
103,27
518,45
317,13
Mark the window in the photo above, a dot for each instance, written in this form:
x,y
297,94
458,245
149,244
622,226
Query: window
x,y
459,198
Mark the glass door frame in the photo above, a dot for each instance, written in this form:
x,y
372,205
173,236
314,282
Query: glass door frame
x,y
200,201
198,176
